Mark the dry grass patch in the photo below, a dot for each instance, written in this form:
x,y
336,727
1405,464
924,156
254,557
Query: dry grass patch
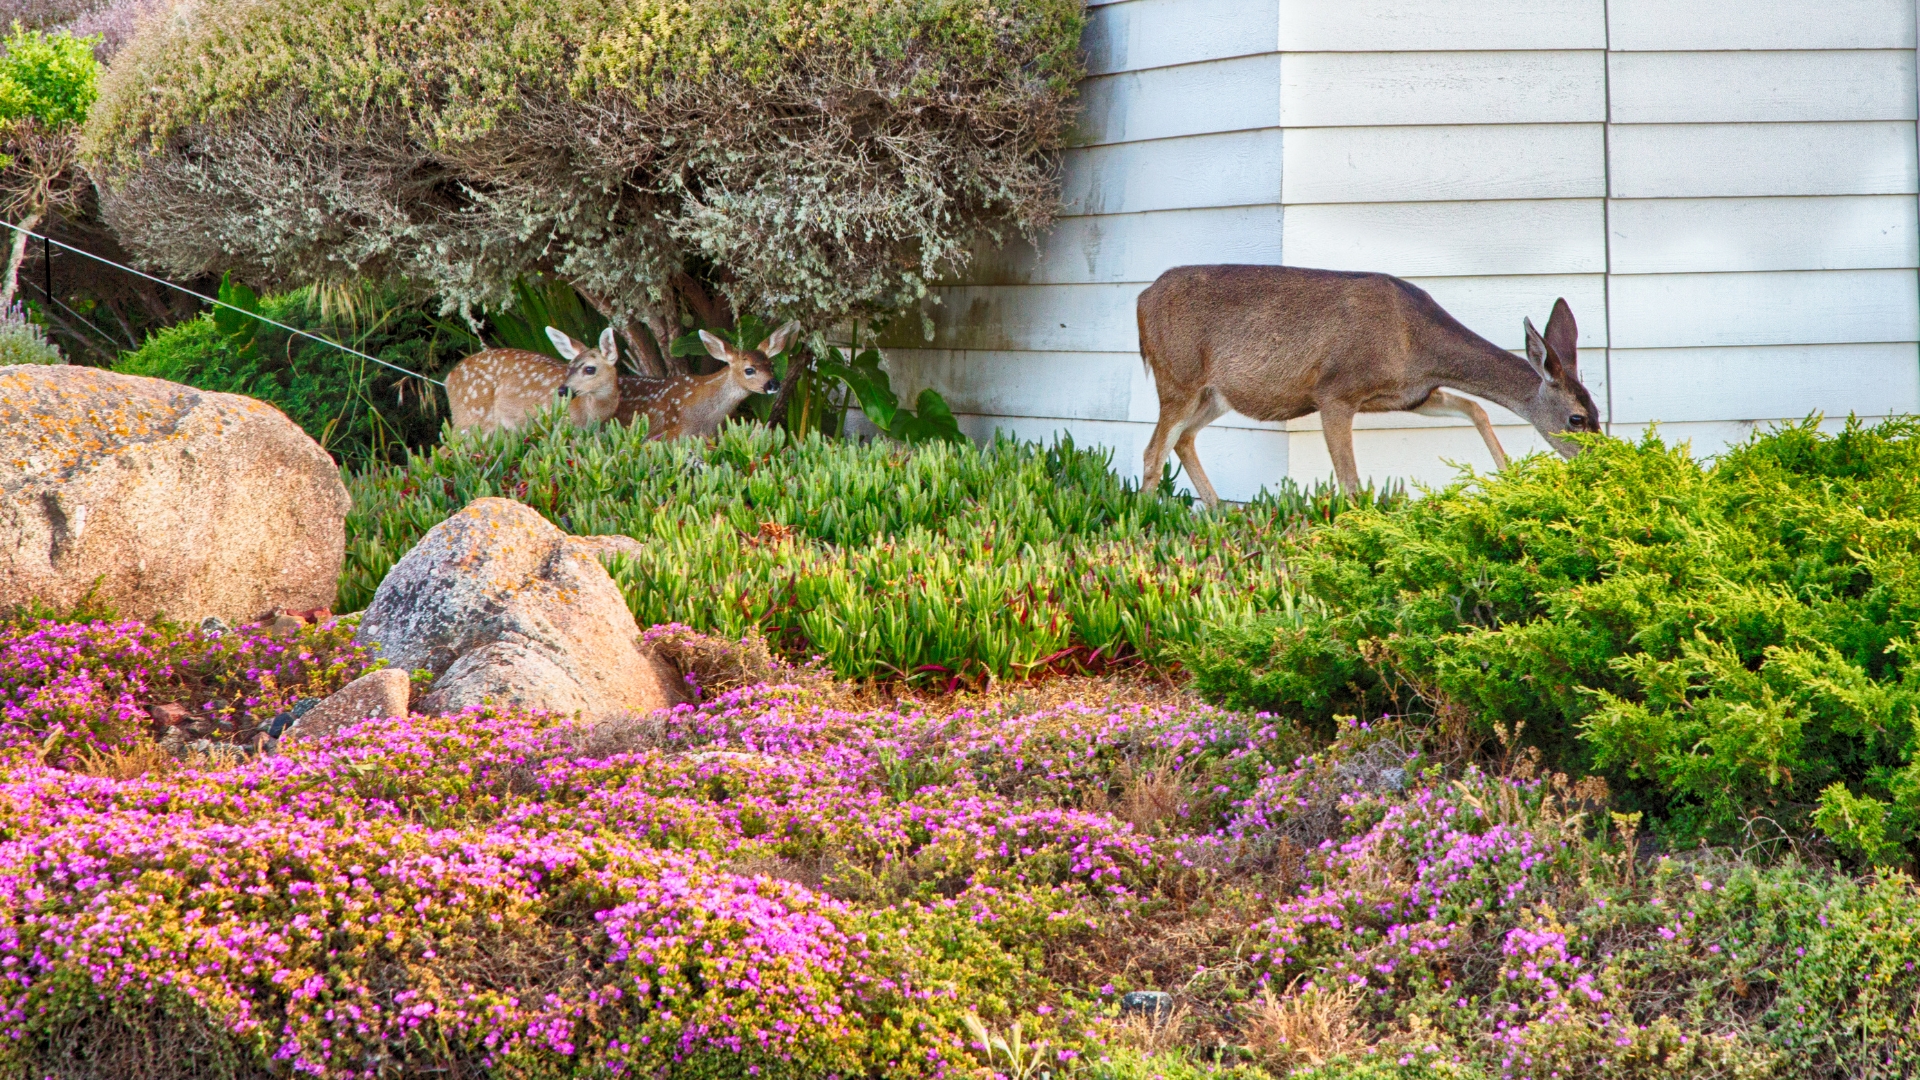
x,y
1309,1026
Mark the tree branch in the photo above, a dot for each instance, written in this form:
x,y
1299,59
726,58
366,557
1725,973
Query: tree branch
x,y
715,313
649,358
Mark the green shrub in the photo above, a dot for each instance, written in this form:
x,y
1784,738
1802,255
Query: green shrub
x,y
358,410
1725,640
48,78
937,560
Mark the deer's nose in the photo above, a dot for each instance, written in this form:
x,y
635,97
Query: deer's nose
x,y
773,387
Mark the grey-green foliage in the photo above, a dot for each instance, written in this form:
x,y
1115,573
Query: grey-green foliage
x,y
22,342
814,157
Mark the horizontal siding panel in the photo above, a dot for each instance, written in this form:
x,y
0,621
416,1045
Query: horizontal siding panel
x,y
1710,438
1451,164
1798,308
1360,89
1405,25
1140,34
1684,236
1239,461
1706,439
1739,87
1656,25
1765,383
1564,236
1195,99
1038,318
1700,160
1430,456
1068,386
1495,307
1238,169
1133,247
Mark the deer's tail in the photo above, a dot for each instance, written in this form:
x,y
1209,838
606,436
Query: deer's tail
x,y
1146,352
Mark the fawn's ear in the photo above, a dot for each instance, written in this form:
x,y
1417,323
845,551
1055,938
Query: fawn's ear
x,y
568,347
716,347
781,338
1537,351
608,351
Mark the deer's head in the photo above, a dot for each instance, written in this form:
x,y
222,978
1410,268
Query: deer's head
x,y
752,369
1561,405
592,385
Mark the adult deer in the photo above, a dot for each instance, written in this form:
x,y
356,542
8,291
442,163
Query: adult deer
x,y
1279,342
501,389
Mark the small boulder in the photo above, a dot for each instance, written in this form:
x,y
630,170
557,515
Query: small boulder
x,y
501,606
1155,1005
176,500
605,548
381,693
166,717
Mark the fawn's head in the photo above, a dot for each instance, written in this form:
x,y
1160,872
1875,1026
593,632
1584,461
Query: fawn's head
x,y
1561,404
592,385
752,369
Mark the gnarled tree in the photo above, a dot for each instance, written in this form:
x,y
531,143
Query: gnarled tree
x,y
47,83
810,158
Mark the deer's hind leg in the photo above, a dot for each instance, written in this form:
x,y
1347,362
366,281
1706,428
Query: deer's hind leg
x,y
1211,407
1174,417
1441,403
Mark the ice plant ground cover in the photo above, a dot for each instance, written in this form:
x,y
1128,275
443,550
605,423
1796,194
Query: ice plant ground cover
x,y
796,878
929,564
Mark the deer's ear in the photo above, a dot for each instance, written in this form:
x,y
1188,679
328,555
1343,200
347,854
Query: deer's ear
x,y
1537,351
716,347
1563,337
607,348
568,347
781,338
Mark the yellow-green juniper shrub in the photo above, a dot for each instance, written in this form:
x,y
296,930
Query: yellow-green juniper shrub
x,y
1724,639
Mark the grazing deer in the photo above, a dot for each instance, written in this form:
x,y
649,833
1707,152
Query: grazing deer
x,y
696,405
500,389
1279,342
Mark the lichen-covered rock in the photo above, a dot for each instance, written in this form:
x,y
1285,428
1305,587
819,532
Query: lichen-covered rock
x,y
605,548
501,606
381,693
174,499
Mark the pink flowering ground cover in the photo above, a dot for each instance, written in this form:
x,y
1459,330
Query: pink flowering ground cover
x,y
790,879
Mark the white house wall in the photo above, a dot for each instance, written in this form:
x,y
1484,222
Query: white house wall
x,y
1724,191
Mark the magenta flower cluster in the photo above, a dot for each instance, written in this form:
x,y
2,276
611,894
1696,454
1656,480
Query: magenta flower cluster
x,y
70,687
476,891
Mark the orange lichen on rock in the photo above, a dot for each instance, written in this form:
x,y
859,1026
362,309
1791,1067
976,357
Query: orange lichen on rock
x,y
173,499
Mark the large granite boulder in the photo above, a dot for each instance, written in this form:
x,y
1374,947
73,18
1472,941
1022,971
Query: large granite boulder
x,y
174,499
501,606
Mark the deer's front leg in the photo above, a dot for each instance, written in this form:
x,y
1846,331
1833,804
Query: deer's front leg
x,y
1336,423
1441,403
